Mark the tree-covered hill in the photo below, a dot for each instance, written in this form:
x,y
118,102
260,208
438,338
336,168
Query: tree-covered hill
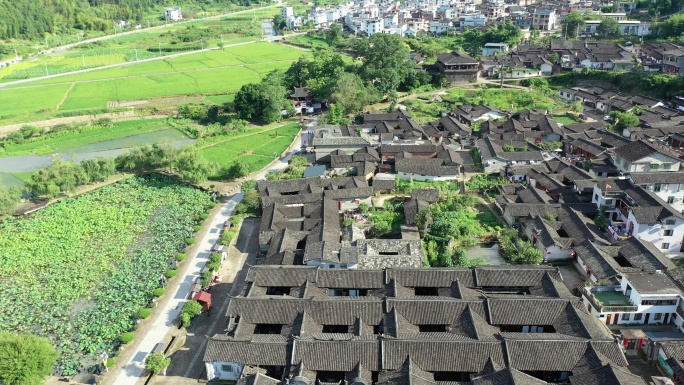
x,y
32,19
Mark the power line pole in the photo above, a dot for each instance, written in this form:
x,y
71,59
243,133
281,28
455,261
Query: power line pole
x,y
84,63
46,69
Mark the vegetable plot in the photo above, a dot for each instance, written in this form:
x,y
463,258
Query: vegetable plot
x,y
79,271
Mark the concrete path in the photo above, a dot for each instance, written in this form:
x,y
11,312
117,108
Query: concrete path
x,y
165,321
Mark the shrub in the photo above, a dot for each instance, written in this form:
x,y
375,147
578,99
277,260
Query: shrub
x,y
196,228
126,338
190,310
170,273
180,257
144,313
204,216
227,236
111,362
205,280
158,292
156,362
189,241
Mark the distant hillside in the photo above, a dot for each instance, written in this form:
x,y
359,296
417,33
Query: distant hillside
x,y
32,19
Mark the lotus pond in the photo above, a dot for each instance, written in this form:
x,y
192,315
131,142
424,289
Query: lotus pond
x,y
78,271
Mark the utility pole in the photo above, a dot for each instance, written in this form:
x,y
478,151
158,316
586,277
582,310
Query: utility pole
x,y
160,49
46,69
84,63
136,54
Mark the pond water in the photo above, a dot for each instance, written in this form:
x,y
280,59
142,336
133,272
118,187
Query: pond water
x,y
487,251
109,148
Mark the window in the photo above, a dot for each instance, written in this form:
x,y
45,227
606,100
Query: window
x,y
657,316
226,368
670,200
596,197
667,233
656,187
665,246
669,221
655,166
637,316
626,316
667,166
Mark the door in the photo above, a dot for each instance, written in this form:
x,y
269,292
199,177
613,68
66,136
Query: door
x,y
667,318
648,316
616,319
608,319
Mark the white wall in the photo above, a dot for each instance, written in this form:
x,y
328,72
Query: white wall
x,y
215,370
423,178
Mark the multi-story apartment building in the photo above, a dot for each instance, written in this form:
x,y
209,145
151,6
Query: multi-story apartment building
x,y
544,19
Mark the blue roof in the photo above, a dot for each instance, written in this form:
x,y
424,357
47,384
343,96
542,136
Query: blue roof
x,y
665,335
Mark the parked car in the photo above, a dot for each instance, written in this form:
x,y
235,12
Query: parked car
x,y
607,118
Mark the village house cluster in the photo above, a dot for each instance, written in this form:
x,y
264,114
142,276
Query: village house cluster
x,y
327,303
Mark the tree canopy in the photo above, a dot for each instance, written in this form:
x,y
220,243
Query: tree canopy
x,y
263,101
386,61
572,23
609,27
25,359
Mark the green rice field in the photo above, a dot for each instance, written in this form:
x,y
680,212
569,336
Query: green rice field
x,y
69,140
214,72
257,156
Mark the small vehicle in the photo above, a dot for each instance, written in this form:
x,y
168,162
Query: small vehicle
x,y
607,118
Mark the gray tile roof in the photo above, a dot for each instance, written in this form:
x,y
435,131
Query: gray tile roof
x,y
607,374
576,355
657,177
456,356
248,353
640,149
342,356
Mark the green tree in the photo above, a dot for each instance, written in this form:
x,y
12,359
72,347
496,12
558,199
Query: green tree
x,y
237,169
609,27
553,57
192,167
25,359
251,203
334,34
624,120
279,22
602,222
336,115
156,362
577,106
573,22
386,61
350,93
9,198
298,161
263,101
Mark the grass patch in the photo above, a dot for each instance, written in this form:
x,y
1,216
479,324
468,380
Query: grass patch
x,y
565,119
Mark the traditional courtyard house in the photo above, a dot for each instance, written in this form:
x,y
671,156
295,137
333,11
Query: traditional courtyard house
x,y
303,325
457,67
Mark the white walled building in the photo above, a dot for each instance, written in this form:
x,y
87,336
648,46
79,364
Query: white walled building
x,y
668,186
643,156
641,298
287,12
636,212
544,19
173,14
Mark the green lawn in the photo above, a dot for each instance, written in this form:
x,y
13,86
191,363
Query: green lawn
x,y
67,140
565,119
215,72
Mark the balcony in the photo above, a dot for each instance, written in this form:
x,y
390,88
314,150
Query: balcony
x,y
609,301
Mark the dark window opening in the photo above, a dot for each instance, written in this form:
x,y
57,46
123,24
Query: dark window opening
x,y
330,376
519,290
335,329
426,291
432,328
301,245
378,329
375,377
267,328
622,261
274,371
549,376
278,290
290,193
562,233
452,376
528,328
348,292
389,253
